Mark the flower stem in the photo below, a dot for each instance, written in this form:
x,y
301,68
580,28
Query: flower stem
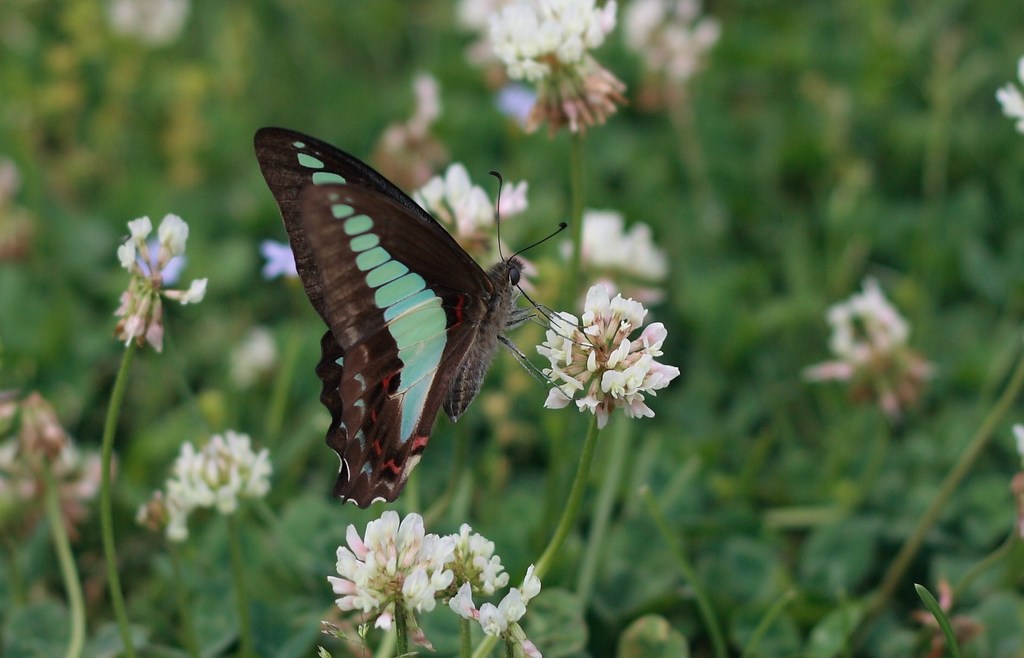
x,y
69,572
574,283
969,455
993,558
401,631
571,511
433,514
465,639
703,604
106,504
241,590
603,511
188,631
573,505
282,385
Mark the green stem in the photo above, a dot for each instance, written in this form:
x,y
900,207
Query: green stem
x,y
603,511
16,583
465,639
188,631
986,562
575,282
401,631
433,514
68,570
571,511
241,589
969,455
106,504
573,505
703,604
282,384
753,646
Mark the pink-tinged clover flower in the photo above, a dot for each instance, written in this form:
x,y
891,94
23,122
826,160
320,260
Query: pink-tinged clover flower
x,y
141,309
1011,100
394,567
37,443
408,153
597,360
466,209
501,620
548,43
869,340
670,36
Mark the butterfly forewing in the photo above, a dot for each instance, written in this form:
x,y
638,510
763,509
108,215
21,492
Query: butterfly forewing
x,y
404,303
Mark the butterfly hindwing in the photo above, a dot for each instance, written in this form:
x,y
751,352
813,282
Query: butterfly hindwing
x,y
402,335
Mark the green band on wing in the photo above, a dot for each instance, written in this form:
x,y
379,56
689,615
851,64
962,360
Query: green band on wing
x,y
325,177
364,242
409,304
341,210
387,272
371,259
417,327
421,360
358,224
397,290
308,161
416,397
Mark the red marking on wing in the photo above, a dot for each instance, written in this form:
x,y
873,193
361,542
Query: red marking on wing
x,y
458,311
391,465
419,443
378,450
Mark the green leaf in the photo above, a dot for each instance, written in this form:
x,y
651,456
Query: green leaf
x,y
940,616
554,622
651,636
832,634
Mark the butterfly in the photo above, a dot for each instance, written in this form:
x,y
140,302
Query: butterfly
x,y
413,321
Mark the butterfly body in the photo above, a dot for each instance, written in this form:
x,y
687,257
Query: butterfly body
x,y
413,321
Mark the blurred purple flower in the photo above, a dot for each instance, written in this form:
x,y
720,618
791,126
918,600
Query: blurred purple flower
x,y
516,101
171,271
280,259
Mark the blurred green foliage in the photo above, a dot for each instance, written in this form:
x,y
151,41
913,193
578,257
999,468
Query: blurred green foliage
x,y
835,140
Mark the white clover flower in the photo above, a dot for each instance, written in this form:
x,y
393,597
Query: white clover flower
x,y
454,200
1011,100
547,42
155,22
611,252
255,357
475,562
501,620
215,476
151,267
869,339
598,358
394,562
670,35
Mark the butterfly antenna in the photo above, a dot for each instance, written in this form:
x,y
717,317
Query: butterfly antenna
x,y
497,211
561,227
